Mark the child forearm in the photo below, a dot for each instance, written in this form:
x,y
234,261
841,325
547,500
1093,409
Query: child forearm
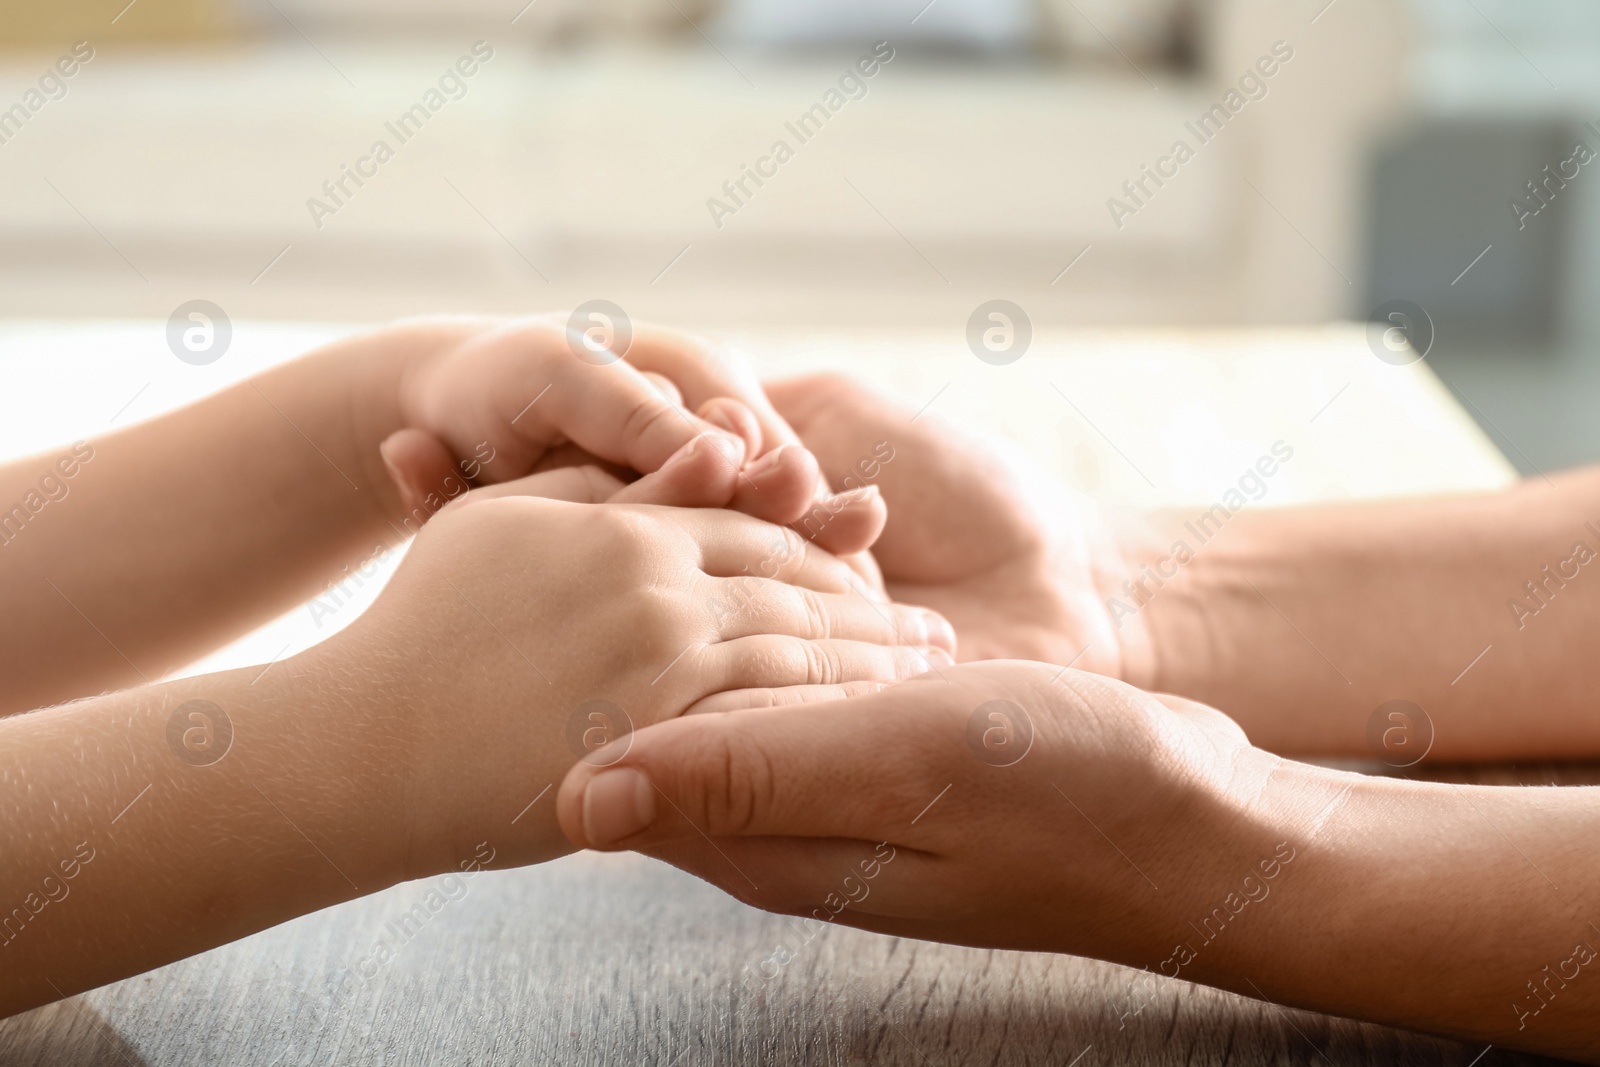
x,y
173,537
145,826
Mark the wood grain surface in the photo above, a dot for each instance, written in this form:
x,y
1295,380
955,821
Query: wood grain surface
x,y
621,960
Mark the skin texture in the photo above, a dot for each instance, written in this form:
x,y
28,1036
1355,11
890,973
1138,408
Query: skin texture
x,y
404,745
1134,828
290,486
1015,560
1300,623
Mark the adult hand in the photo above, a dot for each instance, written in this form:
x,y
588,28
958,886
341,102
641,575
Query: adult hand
x,y
1018,563
518,632
1010,806
486,401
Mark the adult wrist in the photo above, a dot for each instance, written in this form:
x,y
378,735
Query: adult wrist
x,y
1162,623
1360,869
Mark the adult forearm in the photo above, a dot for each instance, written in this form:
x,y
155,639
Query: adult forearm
x,y
1460,910
1301,623
172,537
144,826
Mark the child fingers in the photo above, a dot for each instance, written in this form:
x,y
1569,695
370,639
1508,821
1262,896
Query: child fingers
x,y
746,607
701,474
612,410
734,544
773,661
587,484
845,523
754,699
420,465
777,487
736,417
664,386
702,370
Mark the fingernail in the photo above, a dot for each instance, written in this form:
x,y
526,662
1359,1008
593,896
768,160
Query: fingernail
x,y
395,474
617,804
939,657
940,633
767,463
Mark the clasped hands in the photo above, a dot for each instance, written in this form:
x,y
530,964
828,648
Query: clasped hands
x,y
834,716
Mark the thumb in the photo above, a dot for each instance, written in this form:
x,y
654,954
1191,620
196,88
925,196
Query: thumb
x,y
843,769
419,465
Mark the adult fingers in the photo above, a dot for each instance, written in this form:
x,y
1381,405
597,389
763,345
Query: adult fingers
x,y
745,606
852,768
745,699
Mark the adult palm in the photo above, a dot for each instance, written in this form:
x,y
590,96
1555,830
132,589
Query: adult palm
x,y
1019,564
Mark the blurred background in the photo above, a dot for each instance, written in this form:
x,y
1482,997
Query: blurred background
x,y
1338,154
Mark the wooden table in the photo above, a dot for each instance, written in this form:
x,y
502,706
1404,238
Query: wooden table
x,y
621,960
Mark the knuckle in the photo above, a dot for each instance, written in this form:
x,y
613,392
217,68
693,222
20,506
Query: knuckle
x,y
822,664
645,415
622,536
741,785
815,622
792,552
910,626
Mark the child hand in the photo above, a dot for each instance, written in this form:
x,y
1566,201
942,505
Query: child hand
x,y
498,400
519,629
